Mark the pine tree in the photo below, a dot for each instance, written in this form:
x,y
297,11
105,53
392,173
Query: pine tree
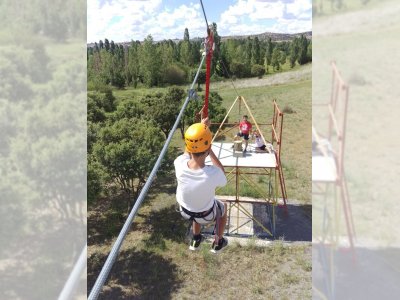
x,y
302,58
268,52
294,52
106,44
149,62
255,54
275,60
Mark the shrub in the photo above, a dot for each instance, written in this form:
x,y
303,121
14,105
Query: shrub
x,y
240,70
257,70
174,75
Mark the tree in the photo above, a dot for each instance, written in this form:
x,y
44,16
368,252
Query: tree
x,y
268,52
167,70
249,50
283,57
99,104
215,109
302,59
174,75
275,61
294,52
255,54
186,35
217,51
106,44
128,109
133,71
201,79
149,62
240,70
96,178
257,70
186,53
112,47
163,109
126,149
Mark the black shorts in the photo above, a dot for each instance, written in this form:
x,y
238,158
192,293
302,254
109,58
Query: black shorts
x,y
244,135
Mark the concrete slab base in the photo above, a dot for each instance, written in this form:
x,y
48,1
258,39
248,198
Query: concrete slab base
x,y
291,226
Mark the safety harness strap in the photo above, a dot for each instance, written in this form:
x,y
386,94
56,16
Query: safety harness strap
x,y
194,215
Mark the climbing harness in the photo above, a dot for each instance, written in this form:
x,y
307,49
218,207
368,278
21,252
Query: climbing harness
x,y
215,210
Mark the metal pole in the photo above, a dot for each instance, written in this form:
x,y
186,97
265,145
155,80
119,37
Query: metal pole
x,y
117,245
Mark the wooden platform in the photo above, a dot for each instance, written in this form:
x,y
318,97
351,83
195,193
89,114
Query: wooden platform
x,y
251,158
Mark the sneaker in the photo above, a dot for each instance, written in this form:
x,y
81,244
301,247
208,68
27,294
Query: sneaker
x,y
222,243
195,243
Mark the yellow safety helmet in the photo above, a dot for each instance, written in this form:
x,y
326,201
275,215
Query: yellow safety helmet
x,y
198,138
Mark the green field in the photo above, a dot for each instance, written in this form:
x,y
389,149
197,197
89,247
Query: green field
x,y
154,261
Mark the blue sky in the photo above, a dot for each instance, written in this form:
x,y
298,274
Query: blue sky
x,y
125,20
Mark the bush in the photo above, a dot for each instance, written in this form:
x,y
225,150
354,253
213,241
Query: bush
x,y
257,70
288,110
240,70
95,180
174,75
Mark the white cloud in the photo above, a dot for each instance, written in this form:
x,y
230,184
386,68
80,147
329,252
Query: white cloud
x,y
288,26
260,14
124,20
130,12
267,10
299,7
138,18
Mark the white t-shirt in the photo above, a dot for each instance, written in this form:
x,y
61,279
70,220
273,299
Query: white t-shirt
x,y
259,142
196,188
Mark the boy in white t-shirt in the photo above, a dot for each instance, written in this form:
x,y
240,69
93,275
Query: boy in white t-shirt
x,y
259,142
197,183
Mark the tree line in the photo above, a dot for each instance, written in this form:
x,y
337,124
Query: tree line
x,y
164,63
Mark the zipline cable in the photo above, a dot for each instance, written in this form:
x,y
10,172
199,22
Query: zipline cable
x,y
204,12
229,75
94,293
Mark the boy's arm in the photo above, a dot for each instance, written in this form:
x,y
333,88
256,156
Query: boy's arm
x,y
215,161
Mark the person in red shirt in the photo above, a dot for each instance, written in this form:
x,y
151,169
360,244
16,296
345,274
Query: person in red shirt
x,y
244,130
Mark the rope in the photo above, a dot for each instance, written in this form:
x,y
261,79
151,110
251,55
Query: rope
x,y
117,245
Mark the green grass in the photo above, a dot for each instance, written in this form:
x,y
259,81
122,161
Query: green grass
x,y
155,262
